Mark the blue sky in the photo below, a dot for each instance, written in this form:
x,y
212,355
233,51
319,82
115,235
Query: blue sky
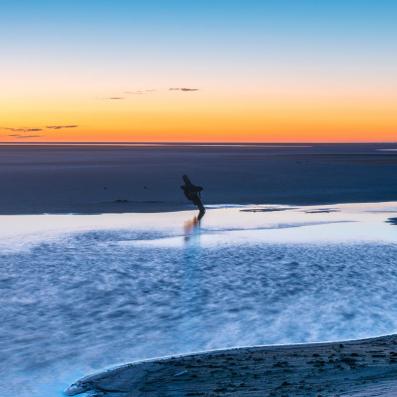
x,y
255,48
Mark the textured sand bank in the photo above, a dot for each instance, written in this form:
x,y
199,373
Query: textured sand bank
x,y
354,368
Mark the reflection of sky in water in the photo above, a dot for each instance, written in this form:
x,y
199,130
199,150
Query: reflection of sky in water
x,y
127,287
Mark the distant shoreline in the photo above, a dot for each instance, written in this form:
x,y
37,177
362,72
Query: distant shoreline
x,y
164,144
144,208
199,143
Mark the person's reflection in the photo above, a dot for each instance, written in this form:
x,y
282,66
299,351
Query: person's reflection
x,y
191,298
191,228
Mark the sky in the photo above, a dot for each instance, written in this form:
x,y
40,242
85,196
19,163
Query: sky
x,y
198,71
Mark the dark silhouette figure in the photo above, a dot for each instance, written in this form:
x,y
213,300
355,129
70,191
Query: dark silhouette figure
x,y
193,193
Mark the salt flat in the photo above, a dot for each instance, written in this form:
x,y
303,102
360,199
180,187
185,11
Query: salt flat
x,y
107,178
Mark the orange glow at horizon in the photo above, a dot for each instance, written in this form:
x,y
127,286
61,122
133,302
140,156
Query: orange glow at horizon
x,y
199,118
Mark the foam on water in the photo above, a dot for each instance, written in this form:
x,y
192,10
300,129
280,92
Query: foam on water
x,y
82,293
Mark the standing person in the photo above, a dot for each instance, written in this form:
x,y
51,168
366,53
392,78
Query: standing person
x,y
193,193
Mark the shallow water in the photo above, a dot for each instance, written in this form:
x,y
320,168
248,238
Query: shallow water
x,y
79,293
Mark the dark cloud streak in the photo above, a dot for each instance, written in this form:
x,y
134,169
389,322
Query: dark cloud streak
x,y
19,136
22,129
20,132
60,127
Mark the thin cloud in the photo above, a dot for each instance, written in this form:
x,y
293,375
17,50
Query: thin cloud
x,y
19,136
115,98
183,89
61,127
139,92
21,129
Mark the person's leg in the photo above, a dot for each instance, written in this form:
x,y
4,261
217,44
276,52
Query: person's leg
x,y
201,213
200,206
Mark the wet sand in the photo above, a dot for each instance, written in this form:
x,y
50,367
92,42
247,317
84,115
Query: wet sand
x,y
365,368
105,179
104,289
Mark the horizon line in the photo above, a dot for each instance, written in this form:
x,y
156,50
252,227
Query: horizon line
x,y
195,143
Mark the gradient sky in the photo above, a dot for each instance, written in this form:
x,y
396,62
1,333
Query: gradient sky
x,y
263,71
